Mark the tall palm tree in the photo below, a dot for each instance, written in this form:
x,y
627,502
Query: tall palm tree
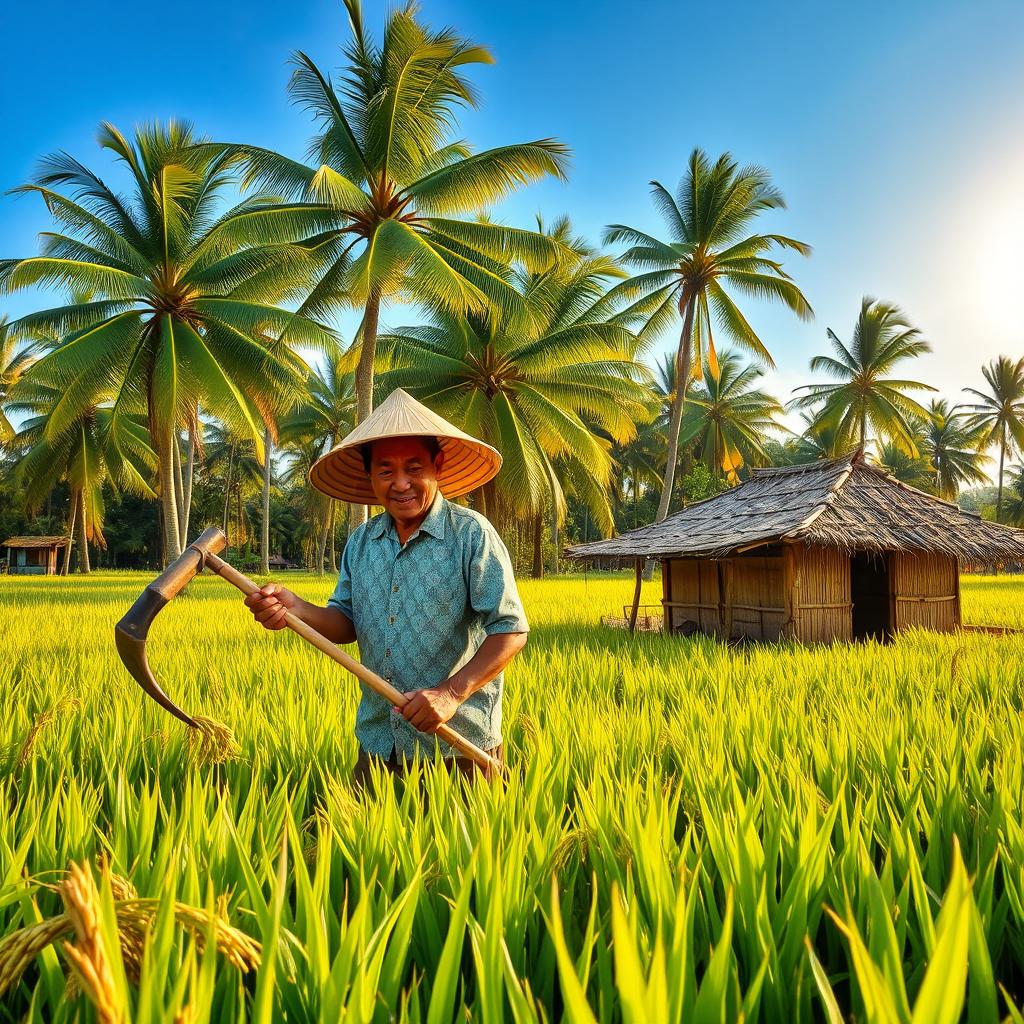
x,y
952,443
185,293
999,412
396,185
865,396
324,415
728,419
552,390
687,277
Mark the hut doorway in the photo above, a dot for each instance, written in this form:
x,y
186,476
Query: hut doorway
x,y
869,595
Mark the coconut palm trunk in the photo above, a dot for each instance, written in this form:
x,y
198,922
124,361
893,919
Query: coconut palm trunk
x,y
683,360
364,382
1002,459
554,540
321,550
189,475
168,498
227,488
83,539
72,516
538,538
179,486
332,530
265,524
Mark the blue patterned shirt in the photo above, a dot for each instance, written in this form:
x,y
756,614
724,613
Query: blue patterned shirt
x,y
420,613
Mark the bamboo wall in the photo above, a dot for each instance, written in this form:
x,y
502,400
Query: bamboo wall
x,y
692,596
925,590
820,593
756,598
729,597
804,594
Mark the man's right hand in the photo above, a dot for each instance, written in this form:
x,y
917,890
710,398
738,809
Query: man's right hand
x,y
270,603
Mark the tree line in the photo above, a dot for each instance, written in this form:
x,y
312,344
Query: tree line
x,y
190,370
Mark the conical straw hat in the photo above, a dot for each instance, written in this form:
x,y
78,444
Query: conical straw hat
x,y
468,463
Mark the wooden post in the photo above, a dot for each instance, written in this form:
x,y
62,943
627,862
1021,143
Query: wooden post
x,y
636,595
666,595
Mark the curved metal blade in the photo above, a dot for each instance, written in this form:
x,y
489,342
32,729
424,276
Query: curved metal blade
x,y
130,638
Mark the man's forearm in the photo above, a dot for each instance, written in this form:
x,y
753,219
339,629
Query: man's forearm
x,y
329,622
490,659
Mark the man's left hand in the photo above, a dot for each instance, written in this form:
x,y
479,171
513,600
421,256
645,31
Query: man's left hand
x,y
428,709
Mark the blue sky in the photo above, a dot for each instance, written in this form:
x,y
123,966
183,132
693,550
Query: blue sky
x,y
894,130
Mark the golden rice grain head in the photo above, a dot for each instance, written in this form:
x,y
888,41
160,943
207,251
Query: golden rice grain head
x,y
20,948
25,753
212,742
87,955
238,948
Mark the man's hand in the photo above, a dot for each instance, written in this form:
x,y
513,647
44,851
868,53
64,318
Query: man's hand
x,y
428,709
269,605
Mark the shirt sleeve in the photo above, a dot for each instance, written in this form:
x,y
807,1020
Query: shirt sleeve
x,y
492,586
342,596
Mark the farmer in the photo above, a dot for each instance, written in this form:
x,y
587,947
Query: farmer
x,y
425,588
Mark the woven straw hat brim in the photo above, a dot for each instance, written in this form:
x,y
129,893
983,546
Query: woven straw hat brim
x,y
468,462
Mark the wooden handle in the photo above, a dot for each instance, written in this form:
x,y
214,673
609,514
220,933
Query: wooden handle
x,y
375,682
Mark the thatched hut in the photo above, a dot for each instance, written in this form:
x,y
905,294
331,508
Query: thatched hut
x,y
834,550
33,556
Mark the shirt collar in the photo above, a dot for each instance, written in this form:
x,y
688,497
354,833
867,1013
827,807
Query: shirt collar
x,y
433,524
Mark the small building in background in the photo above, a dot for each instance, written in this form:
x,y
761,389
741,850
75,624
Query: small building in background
x,y
33,556
833,550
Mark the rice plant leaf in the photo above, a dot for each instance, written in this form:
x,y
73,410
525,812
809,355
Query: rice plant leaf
x,y
446,977
941,996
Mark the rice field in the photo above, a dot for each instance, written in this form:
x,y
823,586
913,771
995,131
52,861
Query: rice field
x,y
689,833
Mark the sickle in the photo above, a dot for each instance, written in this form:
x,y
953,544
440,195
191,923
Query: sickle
x,y
131,632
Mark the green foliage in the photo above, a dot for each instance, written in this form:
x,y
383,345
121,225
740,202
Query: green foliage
x,y
867,404
690,277
174,300
395,190
701,483
551,385
999,413
688,832
727,420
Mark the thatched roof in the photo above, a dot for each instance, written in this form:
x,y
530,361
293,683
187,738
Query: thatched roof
x,y
846,503
34,542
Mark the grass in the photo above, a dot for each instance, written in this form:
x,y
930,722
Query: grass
x,y
689,833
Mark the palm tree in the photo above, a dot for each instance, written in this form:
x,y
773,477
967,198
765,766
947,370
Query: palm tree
x,y
317,423
952,444
865,397
1015,509
639,461
185,294
233,457
94,450
999,412
914,470
708,218
396,185
552,391
728,419
15,359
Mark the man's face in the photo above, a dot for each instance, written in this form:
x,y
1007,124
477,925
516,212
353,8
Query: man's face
x,y
404,478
